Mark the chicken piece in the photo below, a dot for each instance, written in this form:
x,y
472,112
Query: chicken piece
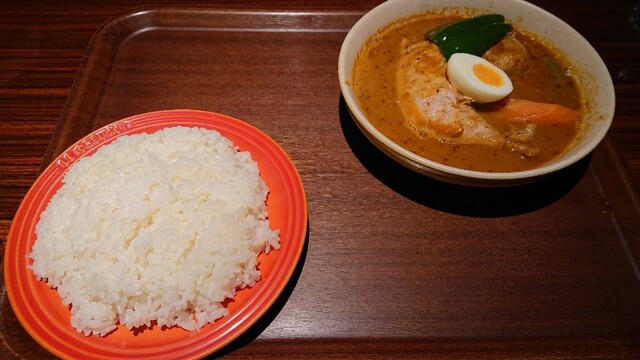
x,y
510,55
519,138
434,108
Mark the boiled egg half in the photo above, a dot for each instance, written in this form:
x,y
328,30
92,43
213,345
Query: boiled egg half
x,y
478,78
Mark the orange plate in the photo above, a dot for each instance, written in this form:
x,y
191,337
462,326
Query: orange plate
x,y
40,309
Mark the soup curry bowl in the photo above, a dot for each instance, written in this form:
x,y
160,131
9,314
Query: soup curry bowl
x,y
579,61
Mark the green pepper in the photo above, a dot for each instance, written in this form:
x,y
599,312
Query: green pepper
x,y
558,74
442,33
475,42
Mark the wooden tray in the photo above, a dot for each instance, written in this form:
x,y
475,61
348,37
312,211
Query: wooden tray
x,y
395,263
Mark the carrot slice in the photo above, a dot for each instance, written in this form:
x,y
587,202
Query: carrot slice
x,y
520,110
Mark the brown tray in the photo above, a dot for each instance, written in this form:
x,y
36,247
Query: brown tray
x,y
395,263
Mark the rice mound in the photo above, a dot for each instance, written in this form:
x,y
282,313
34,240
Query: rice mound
x,y
154,227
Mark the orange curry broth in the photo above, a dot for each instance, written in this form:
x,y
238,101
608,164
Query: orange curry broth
x,y
374,85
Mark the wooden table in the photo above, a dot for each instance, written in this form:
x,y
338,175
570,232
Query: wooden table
x,y
390,269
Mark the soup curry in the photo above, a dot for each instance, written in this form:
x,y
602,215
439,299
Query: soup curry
x,y
537,74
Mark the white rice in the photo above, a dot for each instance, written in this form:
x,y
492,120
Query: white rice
x,y
158,227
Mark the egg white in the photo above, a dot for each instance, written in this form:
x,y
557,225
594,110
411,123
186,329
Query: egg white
x,y
461,75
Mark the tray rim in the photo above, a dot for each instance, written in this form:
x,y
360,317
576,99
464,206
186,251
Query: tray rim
x,y
608,148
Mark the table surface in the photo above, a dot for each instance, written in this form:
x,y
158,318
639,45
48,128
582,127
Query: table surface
x,y
42,45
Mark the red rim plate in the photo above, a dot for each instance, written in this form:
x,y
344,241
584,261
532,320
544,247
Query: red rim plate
x,y
39,308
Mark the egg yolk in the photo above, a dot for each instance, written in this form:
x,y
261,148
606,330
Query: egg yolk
x,y
487,75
